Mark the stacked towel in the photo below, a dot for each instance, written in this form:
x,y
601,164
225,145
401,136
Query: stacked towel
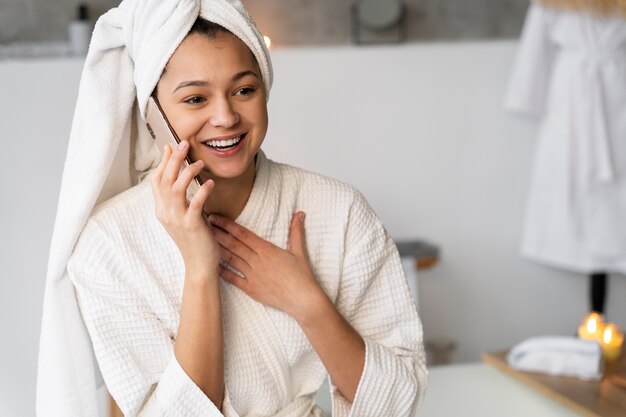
x,y
558,355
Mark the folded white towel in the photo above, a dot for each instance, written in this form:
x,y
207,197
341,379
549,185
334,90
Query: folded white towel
x,y
558,355
129,48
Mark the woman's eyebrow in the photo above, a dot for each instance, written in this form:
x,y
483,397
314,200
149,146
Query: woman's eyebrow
x,y
242,74
202,83
197,83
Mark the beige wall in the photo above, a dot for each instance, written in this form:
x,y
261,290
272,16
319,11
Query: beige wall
x,y
293,22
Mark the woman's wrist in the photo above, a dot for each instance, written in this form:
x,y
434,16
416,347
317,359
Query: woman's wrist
x,y
201,275
312,309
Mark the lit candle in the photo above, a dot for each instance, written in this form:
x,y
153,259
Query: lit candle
x,y
591,327
268,41
611,341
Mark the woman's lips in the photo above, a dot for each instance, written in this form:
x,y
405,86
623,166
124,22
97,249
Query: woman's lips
x,y
226,152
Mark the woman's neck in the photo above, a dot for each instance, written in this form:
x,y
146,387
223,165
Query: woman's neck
x,y
230,195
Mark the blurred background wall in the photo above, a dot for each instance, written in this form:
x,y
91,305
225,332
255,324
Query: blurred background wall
x,y
292,22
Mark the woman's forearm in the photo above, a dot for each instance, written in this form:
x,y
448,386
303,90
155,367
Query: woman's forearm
x,y
199,346
340,348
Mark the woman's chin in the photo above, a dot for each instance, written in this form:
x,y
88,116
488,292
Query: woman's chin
x,y
224,171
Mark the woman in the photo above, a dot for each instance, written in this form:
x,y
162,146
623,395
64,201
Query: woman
x,y
243,312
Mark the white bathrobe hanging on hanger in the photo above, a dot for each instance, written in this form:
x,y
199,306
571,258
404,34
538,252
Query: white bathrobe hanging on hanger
x,y
570,72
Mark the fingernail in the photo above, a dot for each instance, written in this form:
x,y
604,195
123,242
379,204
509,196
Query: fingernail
x,y
182,145
302,216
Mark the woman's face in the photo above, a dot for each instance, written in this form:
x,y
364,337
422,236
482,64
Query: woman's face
x,y
214,97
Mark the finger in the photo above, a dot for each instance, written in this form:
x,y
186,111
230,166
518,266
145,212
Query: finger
x,y
231,259
156,181
158,172
231,277
236,247
244,235
196,205
175,162
179,188
297,235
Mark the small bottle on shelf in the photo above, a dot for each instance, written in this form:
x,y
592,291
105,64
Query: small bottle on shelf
x,y
79,31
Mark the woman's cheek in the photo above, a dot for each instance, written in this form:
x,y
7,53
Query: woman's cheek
x,y
189,127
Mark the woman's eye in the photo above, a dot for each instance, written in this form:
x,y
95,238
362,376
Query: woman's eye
x,y
194,100
246,91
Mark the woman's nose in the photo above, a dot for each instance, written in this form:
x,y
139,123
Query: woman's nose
x,y
223,114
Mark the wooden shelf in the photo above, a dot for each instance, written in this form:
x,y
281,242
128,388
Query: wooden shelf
x,y
426,254
604,398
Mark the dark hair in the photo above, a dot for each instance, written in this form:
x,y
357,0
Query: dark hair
x,y
207,28
203,27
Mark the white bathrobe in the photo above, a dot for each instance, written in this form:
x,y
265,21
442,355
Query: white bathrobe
x,y
570,73
129,275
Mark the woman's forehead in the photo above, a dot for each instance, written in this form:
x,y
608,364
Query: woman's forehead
x,y
200,55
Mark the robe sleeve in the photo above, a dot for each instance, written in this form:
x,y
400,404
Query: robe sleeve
x,y
375,299
530,77
133,347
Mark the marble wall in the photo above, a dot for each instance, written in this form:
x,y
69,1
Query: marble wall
x,y
293,22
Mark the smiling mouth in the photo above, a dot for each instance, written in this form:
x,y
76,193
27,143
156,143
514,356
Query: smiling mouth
x,y
224,145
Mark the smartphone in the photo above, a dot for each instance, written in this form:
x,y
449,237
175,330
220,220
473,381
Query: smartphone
x,y
162,132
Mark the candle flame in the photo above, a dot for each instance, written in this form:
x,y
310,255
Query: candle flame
x,y
608,335
268,41
592,325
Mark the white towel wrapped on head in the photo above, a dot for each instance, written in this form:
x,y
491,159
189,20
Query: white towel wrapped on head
x,y
558,355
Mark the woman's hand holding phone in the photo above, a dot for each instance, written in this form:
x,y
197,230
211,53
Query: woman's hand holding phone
x,y
184,220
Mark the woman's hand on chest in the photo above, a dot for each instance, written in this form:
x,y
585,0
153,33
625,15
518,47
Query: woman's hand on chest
x,y
273,276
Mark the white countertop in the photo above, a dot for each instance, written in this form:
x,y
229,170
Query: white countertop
x,y
480,390
476,390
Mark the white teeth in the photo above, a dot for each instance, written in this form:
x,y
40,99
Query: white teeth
x,y
223,143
